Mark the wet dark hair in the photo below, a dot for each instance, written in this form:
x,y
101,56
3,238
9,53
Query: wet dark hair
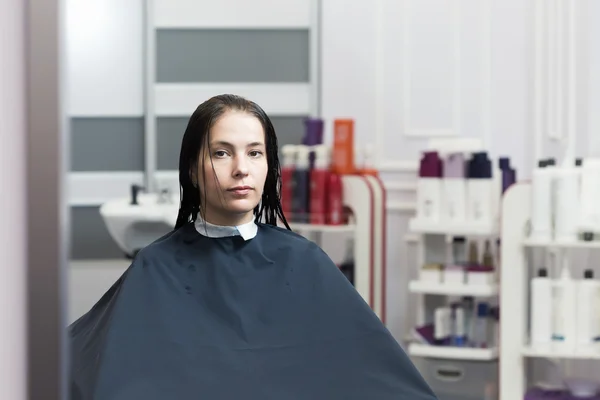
x,y
196,136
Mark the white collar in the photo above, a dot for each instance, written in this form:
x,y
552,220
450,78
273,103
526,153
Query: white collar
x,y
246,231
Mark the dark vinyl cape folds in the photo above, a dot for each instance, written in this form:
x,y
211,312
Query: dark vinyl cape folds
x,y
271,318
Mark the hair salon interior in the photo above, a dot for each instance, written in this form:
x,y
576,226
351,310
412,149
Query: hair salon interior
x,y
458,140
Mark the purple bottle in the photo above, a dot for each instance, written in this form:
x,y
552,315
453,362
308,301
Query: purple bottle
x,y
313,135
509,175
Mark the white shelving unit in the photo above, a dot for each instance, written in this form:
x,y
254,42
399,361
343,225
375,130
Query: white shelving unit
x,y
433,237
514,294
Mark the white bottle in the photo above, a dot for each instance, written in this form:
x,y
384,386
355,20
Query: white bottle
x,y
564,327
542,190
454,189
589,220
429,188
441,325
541,310
480,190
588,312
566,210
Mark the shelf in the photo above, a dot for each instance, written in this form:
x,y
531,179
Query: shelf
x,y
321,228
463,229
550,353
452,353
450,289
557,244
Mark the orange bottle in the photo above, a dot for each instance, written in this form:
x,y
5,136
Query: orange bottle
x,y
342,161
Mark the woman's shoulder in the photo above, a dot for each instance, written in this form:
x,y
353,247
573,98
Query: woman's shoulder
x,y
285,237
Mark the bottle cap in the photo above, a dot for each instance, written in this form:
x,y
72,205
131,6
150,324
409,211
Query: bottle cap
x,y
542,163
542,272
588,274
482,309
454,166
302,157
480,166
313,134
459,239
550,162
431,165
578,162
504,163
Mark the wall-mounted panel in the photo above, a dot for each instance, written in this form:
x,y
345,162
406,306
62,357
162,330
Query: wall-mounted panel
x,y
104,54
431,84
107,144
232,14
227,55
288,99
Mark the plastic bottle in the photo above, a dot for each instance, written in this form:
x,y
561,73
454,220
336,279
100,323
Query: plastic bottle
x,y
564,329
589,221
588,312
481,329
287,179
541,310
454,189
343,147
541,202
481,191
335,200
568,195
429,187
301,199
318,185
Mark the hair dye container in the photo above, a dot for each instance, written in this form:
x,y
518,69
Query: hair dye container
x,y
429,187
542,191
508,174
589,221
588,318
313,136
319,175
480,189
287,179
335,200
541,310
564,328
454,189
300,201
568,195
342,161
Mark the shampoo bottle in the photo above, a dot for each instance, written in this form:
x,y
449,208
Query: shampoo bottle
x,y
368,165
566,211
508,174
454,189
589,221
588,312
542,201
335,200
300,202
287,179
429,187
318,185
343,147
564,327
541,310
480,190
313,135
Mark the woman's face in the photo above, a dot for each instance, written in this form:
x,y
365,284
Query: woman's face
x,y
235,169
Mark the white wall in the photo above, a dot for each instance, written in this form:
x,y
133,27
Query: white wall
x,y
411,70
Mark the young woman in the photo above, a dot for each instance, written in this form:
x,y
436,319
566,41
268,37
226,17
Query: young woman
x,y
230,306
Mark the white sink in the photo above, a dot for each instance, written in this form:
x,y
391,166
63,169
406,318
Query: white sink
x,y
134,226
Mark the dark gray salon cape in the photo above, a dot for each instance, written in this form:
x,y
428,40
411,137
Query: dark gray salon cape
x,y
271,318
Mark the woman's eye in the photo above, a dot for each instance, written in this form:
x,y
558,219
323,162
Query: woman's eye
x,y
255,153
220,153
